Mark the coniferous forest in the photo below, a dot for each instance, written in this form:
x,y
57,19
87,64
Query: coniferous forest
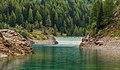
x,y
105,18
59,17
64,16
59,34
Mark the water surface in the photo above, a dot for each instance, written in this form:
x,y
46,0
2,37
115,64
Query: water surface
x,y
63,57
69,40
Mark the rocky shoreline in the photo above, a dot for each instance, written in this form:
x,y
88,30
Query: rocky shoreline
x,y
107,42
50,41
13,44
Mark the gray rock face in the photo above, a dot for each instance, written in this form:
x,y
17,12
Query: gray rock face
x,y
13,44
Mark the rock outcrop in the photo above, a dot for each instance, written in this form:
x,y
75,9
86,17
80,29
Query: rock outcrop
x,y
101,42
13,44
50,41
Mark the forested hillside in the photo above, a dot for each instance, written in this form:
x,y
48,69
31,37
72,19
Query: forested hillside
x,y
105,18
60,16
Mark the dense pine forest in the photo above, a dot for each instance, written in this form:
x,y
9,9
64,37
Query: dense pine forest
x,y
105,18
60,17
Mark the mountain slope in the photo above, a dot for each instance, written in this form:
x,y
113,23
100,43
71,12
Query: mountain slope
x,y
64,17
104,32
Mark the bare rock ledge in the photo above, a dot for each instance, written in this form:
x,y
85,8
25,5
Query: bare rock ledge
x,y
105,42
13,44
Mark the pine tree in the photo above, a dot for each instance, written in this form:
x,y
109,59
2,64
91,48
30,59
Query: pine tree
x,y
38,17
55,30
100,15
76,31
25,24
56,18
21,19
29,27
97,14
64,27
80,32
36,25
109,6
40,24
30,16
1,18
48,21
13,19
19,16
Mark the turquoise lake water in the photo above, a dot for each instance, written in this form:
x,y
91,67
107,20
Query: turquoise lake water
x,y
62,57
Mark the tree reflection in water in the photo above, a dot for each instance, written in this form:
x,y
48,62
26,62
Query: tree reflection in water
x,y
64,58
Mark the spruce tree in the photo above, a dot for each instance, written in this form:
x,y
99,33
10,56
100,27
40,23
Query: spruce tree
x,y
109,6
55,30
76,31
38,17
19,16
30,16
48,21
12,19
1,18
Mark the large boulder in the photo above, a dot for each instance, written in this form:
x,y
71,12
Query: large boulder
x,y
13,44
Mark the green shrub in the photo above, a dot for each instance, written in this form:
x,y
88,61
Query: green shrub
x,y
24,33
4,25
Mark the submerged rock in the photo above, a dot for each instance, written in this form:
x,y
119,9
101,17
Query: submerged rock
x,y
13,44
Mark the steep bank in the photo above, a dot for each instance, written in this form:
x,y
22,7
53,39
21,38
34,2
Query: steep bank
x,y
104,31
106,42
50,41
13,44
107,38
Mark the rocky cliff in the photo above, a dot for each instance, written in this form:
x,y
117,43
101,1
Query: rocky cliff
x,y
13,44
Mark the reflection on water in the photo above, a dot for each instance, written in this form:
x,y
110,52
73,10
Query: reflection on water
x,y
69,40
12,63
63,58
